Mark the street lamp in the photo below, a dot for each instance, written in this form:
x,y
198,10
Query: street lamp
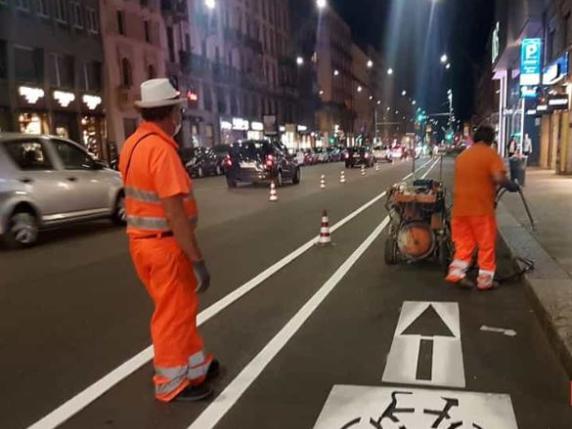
x,y
369,64
359,88
211,4
336,72
414,102
404,93
378,102
300,61
444,58
390,71
371,97
448,66
321,4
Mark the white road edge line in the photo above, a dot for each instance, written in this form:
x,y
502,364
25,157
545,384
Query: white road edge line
x,y
74,405
232,393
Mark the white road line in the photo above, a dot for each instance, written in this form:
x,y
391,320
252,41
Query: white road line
x,y
217,409
94,391
232,393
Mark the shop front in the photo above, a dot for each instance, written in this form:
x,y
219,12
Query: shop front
x,y
32,114
234,129
256,131
93,126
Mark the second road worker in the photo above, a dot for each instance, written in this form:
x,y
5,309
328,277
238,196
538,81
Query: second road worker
x,y
161,220
478,172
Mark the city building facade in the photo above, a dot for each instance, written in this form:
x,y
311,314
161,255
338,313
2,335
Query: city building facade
x,y
134,44
242,68
51,62
534,100
363,93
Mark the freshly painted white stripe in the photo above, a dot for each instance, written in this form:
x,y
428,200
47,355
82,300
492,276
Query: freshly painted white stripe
x,y
217,409
94,391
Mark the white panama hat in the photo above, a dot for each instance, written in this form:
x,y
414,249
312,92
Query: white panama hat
x,y
158,93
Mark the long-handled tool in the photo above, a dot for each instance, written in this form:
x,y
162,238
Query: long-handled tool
x,y
502,191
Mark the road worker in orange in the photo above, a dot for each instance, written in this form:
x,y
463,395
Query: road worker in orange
x,y
478,172
161,221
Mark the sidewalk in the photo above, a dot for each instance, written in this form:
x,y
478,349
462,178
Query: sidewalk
x,y
550,246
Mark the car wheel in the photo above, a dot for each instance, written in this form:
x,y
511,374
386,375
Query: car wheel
x,y
279,179
390,253
230,182
119,216
23,230
297,176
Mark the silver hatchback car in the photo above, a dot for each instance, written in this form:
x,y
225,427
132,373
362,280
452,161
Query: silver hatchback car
x,y
48,181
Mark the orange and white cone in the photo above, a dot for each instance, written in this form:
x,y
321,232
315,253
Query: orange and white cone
x,y
325,237
343,177
273,193
363,170
323,182
377,166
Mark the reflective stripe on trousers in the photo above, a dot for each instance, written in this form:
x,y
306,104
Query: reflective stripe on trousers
x,y
169,382
148,196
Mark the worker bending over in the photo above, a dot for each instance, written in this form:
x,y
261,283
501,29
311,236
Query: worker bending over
x,y
478,172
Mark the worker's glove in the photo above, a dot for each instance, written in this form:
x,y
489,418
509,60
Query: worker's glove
x,y
511,186
202,275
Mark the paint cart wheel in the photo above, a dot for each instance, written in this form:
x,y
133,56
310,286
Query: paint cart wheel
x,y
390,254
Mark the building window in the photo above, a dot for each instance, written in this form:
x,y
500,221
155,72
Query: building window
x,y
77,16
29,155
61,11
126,73
92,74
92,20
171,44
151,73
187,42
147,31
28,64
3,60
62,71
43,9
121,22
23,5
207,97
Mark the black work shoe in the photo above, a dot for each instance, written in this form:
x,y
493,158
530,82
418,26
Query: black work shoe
x,y
195,393
214,370
466,283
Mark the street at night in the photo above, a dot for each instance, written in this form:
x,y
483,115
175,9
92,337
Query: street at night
x,y
302,214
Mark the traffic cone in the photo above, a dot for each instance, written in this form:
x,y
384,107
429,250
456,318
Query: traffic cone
x,y
343,177
323,182
325,238
363,170
273,194
377,166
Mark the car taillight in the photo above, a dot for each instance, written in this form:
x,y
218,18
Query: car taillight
x,y
346,155
228,161
269,161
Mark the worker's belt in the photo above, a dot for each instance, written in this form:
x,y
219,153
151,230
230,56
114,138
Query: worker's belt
x,y
158,235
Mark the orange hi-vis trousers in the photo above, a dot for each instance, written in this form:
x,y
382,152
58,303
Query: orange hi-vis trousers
x,y
470,233
168,275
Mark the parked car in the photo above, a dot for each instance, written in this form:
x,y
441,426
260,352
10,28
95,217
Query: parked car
x,y
300,157
310,157
334,154
360,155
203,163
221,151
321,155
398,153
48,181
382,153
256,161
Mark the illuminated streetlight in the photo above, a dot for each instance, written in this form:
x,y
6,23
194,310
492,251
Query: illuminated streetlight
x,y
404,93
300,61
369,64
211,4
321,4
444,58
414,102
388,109
336,72
448,66
359,89
390,71
321,92
378,102
371,97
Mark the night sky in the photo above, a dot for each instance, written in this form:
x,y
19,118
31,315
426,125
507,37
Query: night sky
x,y
412,45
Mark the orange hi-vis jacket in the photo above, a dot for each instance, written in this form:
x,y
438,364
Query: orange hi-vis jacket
x,y
152,170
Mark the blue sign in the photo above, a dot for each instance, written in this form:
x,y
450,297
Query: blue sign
x,y
530,62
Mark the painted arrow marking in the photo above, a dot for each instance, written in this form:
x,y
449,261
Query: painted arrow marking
x,y
426,347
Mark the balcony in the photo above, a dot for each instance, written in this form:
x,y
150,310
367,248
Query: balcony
x,y
176,8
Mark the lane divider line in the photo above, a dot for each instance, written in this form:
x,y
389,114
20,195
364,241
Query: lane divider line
x,y
84,398
209,418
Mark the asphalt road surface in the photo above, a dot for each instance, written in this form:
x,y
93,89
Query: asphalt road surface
x,y
309,337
